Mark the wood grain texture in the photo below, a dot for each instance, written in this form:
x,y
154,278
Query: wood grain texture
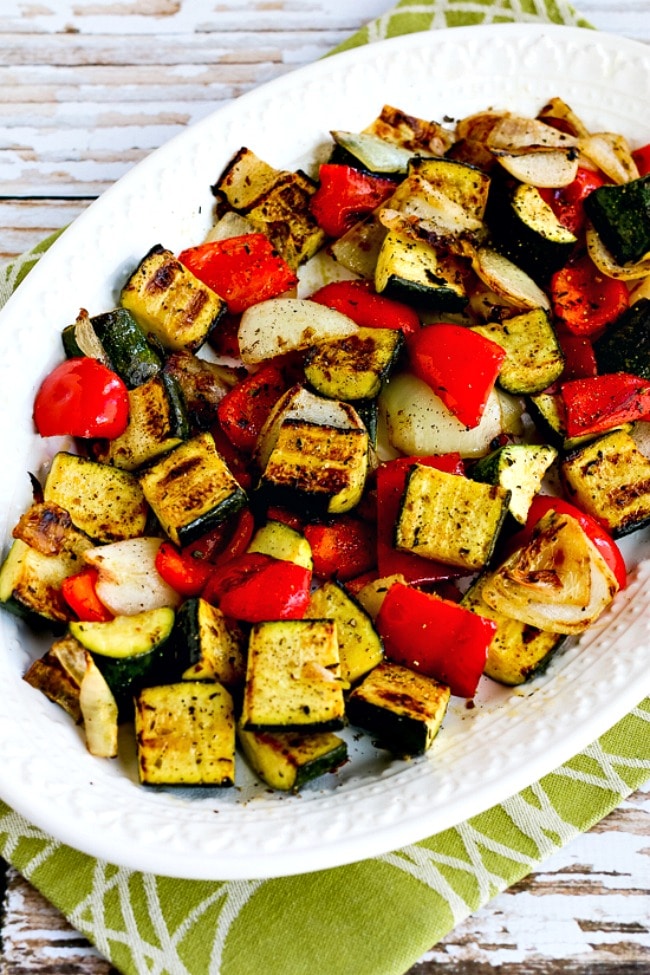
x,y
87,89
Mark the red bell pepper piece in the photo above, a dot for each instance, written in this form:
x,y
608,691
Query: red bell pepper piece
x,y
436,637
256,587
642,159
579,357
81,398
81,596
243,409
342,548
459,365
346,195
360,302
567,201
186,574
189,569
584,300
598,535
243,270
391,481
602,402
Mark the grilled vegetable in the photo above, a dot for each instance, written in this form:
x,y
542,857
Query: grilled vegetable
x,y
621,217
533,356
282,325
59,673
208,646
185,735
130,651
465,185
157,423
282,542
404,710
118,336
517,650
610,479
128,581
414,272
81,398
191,489
202,385
353,368
360,647
293,679
47,549
275,202
99,712
418,422
520,469
288,760
169,304
625,346
105,503
450,518
370,152
525,229
558,581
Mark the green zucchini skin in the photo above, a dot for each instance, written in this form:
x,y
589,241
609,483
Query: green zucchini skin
x,y
517,232
625,345
126,346
207,646
122,340
288,760
621,217
131,652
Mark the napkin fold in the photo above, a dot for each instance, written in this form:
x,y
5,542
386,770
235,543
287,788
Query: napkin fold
x,y
376,917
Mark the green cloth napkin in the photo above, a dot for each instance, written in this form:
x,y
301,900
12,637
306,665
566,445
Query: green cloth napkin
x,y
376,917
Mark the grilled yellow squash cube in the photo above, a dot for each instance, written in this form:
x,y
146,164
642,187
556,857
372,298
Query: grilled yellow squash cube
x,y
609,478
286,760
185,734
274,201
169,303
293,677
105,503
322,465
449,518
404,710
191,489
360,646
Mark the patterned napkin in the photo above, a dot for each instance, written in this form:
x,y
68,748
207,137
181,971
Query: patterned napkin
x,y
376,917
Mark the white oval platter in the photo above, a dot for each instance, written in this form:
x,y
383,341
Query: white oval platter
x,y
510,737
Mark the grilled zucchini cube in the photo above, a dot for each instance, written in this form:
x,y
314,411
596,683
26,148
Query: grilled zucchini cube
x,y
185,734
169,303
414,272
105,503
293,677
402,709
130,651
157,423
520,468
208,646
275,202
609,478
323,466
354,367
450,518
191,489
534,359
47,549
287,760
360,646
517,651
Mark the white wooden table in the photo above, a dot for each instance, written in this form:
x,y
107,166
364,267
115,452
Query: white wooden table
x,y
86,90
